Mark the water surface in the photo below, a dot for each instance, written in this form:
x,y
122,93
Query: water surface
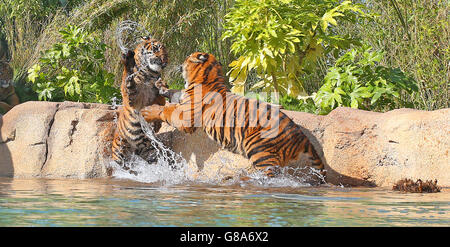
x,y
119,202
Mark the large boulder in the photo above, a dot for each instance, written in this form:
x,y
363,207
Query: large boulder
x,y
363,148
57,140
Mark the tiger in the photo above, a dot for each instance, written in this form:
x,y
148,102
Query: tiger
x,y
8,96
270,140
141,69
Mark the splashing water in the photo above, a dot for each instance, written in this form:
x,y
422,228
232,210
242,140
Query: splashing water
x,y
115,103
288,177
165,155
128,34
169,169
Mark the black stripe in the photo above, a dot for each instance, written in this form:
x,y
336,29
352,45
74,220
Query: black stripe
x,y
195,74
136,124
262,165
246,120
233,128
137,138
207,70
135,132
306,146
258,149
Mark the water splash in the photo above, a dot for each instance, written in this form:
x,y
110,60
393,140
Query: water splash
x,y
128,34
165,155
158,172
172,169
288,177
169,169
115,103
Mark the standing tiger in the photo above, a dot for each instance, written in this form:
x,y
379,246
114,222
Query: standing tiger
x,y
142,68
257,130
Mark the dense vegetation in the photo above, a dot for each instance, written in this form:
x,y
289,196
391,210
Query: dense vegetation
x,y
369,54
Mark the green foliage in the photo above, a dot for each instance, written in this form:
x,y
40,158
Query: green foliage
x,y
358,81
281,40
414,36
73,70
25,92
37,9
186,26
304,104
17,13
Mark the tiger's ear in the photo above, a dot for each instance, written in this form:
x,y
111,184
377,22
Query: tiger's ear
x,y
144,38
203,57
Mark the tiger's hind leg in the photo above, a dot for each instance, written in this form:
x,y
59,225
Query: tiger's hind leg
x,y
150,153
145,149
267,162
308,151
121,152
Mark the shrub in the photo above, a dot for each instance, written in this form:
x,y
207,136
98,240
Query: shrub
x,y
304,104
281,40
73,70
415,36
358,81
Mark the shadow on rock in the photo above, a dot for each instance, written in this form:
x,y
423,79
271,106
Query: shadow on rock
x,y
6,164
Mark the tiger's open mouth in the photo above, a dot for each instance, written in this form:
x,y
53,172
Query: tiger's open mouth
x,y
155,67
155,64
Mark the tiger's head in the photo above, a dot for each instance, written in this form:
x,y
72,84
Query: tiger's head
x,y
201,68
151,55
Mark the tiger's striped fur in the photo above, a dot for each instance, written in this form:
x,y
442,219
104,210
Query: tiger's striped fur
x,y
142,68
270,140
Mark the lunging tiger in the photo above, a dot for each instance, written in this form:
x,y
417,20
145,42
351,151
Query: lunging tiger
x,y
142,68
257,130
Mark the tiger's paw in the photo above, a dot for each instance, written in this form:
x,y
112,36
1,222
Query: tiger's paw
x,y
152,113
162,88
128,59
269,171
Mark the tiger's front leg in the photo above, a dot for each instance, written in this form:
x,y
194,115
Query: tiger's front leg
x,y
169,113
174,95
129,88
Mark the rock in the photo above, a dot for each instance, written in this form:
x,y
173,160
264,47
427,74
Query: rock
x,y
55,140
208,158
363,148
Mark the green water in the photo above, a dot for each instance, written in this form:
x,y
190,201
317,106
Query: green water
x,y
112,202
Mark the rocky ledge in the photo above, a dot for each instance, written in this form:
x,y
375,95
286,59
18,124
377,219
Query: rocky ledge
x,y
72,140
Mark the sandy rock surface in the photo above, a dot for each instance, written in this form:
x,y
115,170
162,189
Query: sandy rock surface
x,y
72,140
